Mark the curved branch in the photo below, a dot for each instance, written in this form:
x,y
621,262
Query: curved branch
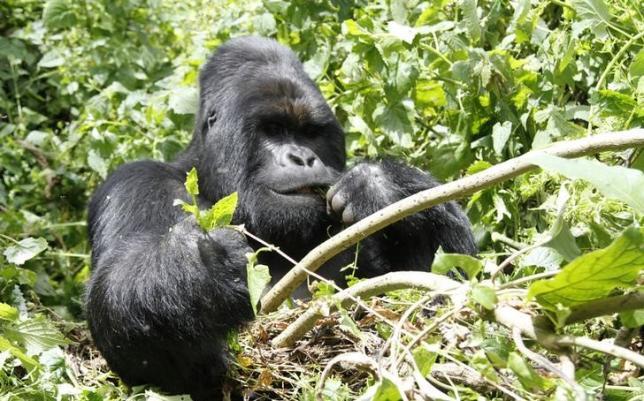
x,y
606,306
434,196
367,289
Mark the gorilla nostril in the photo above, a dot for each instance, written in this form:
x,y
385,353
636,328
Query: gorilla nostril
x,y
311,161
296,159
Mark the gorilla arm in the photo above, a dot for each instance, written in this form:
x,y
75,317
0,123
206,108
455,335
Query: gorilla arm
x,y
160,286
410,243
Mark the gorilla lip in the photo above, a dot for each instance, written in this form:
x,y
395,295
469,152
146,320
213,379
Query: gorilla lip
x,y
305,190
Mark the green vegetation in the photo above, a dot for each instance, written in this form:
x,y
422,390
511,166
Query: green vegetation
x,y
451,86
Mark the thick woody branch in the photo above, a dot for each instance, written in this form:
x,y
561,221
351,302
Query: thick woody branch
x,y
434,196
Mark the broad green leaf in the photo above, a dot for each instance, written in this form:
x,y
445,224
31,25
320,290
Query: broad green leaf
x,y
97,163
471,18
220,214
25,249
500,135
27,362
528,377
37,334
617,182
258,277
386,391
402,32
595,274
184,101
595,13
424,358
484,295
562,239
192,182
58,14
8,312
637,66
632,319
444,262
51,59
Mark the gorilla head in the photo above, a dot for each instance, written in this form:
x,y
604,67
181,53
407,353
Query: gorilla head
x,y
264,130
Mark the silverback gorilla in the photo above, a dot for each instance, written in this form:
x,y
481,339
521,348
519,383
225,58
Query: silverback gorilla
x,y
164,294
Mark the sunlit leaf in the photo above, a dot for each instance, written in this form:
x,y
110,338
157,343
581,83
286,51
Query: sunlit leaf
x,y
220,214
595,274
613,181
24,250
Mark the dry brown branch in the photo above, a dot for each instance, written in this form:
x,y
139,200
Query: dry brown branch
x,y
434,196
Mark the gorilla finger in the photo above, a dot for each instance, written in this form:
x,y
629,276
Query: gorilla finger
x,y
348,217
338,202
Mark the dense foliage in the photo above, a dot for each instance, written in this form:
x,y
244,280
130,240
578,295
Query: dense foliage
x,y
452,86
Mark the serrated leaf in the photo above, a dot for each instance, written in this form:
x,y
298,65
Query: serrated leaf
x,y
471,18
595,274
58,14
444,262
8,312
595,12
220,214
24,250
37,334
258,277
500,135
484,295
192,182
617,182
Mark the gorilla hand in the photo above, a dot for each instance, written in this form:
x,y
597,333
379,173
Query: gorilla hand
x,y
361,191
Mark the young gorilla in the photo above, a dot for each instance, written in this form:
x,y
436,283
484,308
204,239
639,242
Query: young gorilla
x,y
164,294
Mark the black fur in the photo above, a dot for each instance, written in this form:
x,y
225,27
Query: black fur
x,y
163,294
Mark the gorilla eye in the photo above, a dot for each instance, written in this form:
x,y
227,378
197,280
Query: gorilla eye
x,y
212,117
273,128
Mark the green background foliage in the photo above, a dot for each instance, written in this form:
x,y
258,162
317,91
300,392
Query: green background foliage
x,y
451,86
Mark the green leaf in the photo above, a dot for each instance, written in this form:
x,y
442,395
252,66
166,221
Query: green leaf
x,y
595,274
562,239
8,312
402,32
484,295
220,214
424,358
444,262
51,59
617,182
184,100
257,276
192,182
24,250
27,362
386,391
37,335
97,163
471,19
637,66
500,135
58,14
594,12
528,377
632,319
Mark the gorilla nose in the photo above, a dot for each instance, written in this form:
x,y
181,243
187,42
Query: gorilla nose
x,y
300,157
302,160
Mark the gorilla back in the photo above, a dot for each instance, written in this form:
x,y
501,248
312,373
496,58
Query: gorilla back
x,y
164,294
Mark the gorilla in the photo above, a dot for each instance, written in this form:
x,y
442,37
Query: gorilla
x,y
164,294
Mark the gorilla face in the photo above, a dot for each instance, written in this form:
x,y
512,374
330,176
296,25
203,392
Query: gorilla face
x,y
270,135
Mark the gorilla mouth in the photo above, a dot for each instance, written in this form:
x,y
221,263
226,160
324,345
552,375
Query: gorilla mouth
x,y
306,190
